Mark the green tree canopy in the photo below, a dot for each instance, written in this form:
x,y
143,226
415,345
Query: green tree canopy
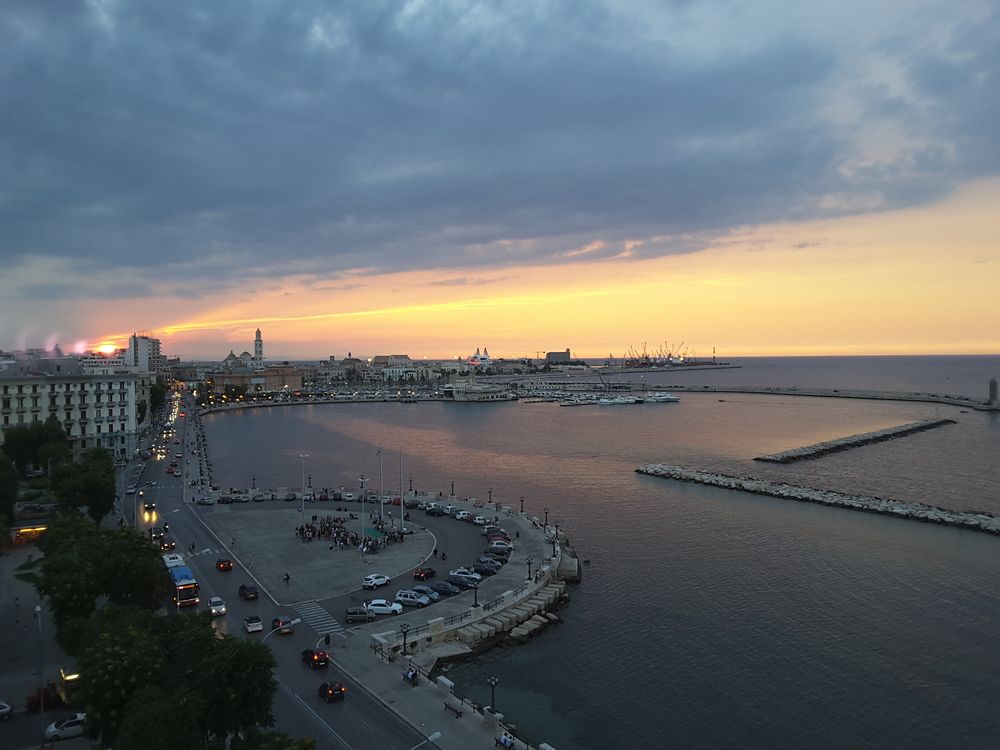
x,y
8,490
88,483
34,444
157,396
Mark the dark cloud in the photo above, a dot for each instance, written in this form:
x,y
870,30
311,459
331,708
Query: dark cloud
x,y
252,140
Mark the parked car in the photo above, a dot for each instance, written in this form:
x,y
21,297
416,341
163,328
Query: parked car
x,y
491,562
223,563
483,569
501,546
216,606
331,691
248,591
315,659
436,510
258,498
412,598
427,591
462,582
308,497
383,607
357,614
490,528
253,624
241,498
445,589
422,574
205,501
375,580
450,509
423,506
283,625
463,515
467,573
70,726
225,500
480,520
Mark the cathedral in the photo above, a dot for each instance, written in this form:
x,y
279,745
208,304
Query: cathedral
x,y
246,360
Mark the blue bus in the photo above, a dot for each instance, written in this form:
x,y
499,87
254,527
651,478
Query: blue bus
x,y
184,586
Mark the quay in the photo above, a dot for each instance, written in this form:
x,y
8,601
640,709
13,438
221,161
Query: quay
x,y
973,520
852,441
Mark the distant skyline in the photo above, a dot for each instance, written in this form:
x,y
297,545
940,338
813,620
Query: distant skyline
x,y
774,178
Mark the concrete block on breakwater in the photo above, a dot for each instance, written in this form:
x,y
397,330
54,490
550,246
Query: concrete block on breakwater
x,y
975,520
853,441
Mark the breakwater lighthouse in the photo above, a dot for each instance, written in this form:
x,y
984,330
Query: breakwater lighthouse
x,y
993,398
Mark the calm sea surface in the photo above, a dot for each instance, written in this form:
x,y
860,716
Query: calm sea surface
x,y
710,618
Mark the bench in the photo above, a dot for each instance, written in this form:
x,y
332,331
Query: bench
x,y
454,709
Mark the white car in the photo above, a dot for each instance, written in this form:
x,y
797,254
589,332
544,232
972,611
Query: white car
x,y
481,521
491,529
499,545
216,606
412,598
375,580
253,624
383,607
71,726
463,515
466,573
205,501
5,710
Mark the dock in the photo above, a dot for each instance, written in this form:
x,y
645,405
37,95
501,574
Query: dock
x,y
852,441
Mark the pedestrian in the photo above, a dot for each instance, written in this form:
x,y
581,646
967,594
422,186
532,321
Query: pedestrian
x,y
286,578
444,557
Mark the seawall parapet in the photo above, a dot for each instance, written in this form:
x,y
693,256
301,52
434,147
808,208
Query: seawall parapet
x,y
852,441
974,520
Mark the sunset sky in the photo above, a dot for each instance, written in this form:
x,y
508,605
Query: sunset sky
x,y
432,177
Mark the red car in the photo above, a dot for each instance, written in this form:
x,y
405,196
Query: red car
x,y
223,564
422,574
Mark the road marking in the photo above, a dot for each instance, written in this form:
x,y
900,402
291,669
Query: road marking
x,y
318,618
319,718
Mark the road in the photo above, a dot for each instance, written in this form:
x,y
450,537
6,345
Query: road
x,y
360,721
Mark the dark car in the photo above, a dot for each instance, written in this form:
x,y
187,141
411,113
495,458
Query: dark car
x,y
156,532
331,691
167,543
241,498
358,614
315,659
492,555
462,582
283,625
149,505
483,569
225,500
422,574
445,589
290,497
436,510
248,591
323,496
224,563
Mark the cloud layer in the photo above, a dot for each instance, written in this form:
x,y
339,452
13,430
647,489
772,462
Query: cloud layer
x,y
187,147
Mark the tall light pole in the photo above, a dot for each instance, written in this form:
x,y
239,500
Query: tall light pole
x,y
302,501
362,479
402,505
522,503
381,502
546,511
529,561
404,629
492,681
429,738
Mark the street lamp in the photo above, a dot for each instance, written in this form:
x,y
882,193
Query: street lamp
x,y
253,482
430,738
546,516
492,681
490,490
529,561
302,501
475,595
292,623
453,488
553,547
362,479
411,484
404,629
381,504
522,503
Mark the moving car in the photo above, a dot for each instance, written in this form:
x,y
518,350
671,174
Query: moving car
x,y
427,591
248,591
412,598
223,563
216,606
70,726
384,607
358,614
167,543
253,624
315,659
422,574
156,532
283,625
149,505
331,691
375,580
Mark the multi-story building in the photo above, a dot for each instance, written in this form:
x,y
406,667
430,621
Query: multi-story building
x,y
143,353
99,410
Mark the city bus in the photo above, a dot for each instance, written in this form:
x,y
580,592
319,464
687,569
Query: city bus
x,y
184,586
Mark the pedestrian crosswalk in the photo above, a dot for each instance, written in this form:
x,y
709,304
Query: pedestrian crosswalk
x,y
318,618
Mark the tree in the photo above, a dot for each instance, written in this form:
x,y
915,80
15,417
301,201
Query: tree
x,y
255,739
238,685
8,489
157,395
132,569
89,483
141,412
156,718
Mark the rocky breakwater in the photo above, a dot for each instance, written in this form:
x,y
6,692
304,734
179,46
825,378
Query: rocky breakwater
x,y
975,520
853,441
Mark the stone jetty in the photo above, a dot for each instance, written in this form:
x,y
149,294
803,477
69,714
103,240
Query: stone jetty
x,y
975,520
852,441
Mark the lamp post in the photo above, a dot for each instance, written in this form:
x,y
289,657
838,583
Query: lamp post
x,y
381,502
302,501
546,516
522,503
404,629
362,479
475,595
490,490
411,484
529,561
41,676
492,681
453,488
430,738
253,482
553,547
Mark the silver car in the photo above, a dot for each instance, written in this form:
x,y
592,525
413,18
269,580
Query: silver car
x,y
412,598
425,590
216,606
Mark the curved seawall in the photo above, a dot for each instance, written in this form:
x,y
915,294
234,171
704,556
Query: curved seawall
x,y
977,521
